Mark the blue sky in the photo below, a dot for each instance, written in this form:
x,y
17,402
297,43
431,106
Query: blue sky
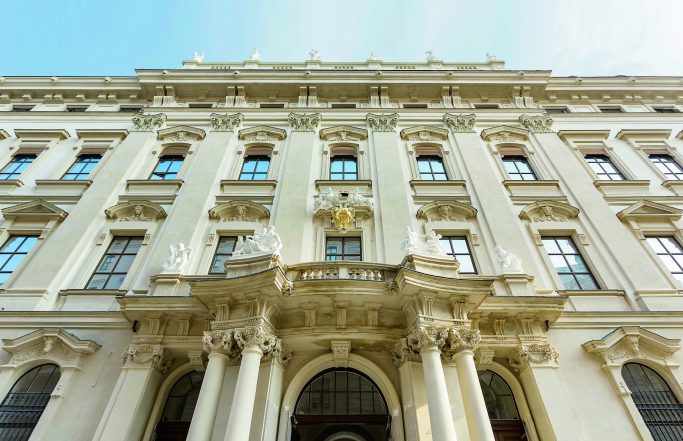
x,y
571,37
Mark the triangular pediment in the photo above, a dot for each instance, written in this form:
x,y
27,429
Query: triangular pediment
x,y
628,342
343,133
424,133
453,211
548,211
648,209
38,209
181,134
239,211
262,134
141,211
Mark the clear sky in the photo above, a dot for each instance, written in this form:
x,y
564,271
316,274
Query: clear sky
x,y
114,37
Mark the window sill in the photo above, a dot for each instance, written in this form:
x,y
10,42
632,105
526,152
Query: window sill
x,y
92,292
364,186
153,188
675,186
541,189
62,187
623,188
9,185
428,190
257,191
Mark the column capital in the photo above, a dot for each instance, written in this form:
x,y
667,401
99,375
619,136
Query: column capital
x,y
537,123
145,122
304,122
460,340
543,355
449,340
222,122
382,122
233,342
145,355
460,123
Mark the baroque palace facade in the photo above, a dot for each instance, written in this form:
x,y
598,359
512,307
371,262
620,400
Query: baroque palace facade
x,y
328,251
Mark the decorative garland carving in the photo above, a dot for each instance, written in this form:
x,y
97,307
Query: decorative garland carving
x,y
222,122
383,122
537,123
460,123
148,122
146,354
304,122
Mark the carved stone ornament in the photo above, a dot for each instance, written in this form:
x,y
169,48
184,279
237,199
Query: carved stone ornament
x,y
141,211
143,122
429,244
262,134
304,122
259,336
181,134
510,263
447,339
341,350
629,342
504,134
343,218
460,123
383,122
178,259
266,242
548,211
537,123
144,354
222,122
343,133
403,353
440,211
55,345
534,355
239,211
424,133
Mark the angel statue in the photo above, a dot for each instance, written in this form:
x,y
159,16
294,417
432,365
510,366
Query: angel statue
x,y
508,261
433,244
358,200
411,241
328,200
179,256
268,241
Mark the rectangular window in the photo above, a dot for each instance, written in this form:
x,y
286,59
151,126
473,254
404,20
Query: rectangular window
x,y
610,109
556,110
167,168
415,106
603,167
200,105
272,105
226,245
76,108
569,264
343,168
431,168
115,263
22,108
343,248
13,252
130,109
82,168
343,105
518,168
667,165
458,247
670,253
486,106
666,110
255,168
16,167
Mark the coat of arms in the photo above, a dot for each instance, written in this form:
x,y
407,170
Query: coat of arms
x,y
343,218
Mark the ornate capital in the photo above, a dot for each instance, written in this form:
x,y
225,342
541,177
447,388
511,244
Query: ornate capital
x,y
146,355
403,352
143,122
304,122
460,123
222,122
534,355
219,341
382,123
537,123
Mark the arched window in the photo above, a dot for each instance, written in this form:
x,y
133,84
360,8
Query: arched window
x,y
24,404
180,404
501,407
656,402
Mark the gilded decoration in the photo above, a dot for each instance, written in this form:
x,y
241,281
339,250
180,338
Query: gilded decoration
x,y
343,218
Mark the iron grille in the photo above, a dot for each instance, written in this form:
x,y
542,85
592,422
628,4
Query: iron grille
x,y
19,414
662,414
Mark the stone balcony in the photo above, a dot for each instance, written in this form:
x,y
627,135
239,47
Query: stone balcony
x,y
345,270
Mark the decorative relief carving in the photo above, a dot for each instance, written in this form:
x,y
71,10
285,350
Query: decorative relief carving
x,y
141,211
537,123
51,344
147,122
504,134
304,122
534,355
239,211
181,133
197,360
548,211
449,340
428,244
222,122
178,258
627,342
150,355
262,134
452,211
383,122
424,133
341,351
343,133
343,218
460,123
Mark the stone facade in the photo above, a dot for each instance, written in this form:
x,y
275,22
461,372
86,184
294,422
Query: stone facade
x,y
407,315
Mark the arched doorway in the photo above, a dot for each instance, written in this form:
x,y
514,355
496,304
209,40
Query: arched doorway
x,y
180,404
341,405
501,406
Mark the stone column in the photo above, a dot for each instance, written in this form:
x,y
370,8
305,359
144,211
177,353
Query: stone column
x,y
254,342
391,188
297,178
413,397
129,407
217,344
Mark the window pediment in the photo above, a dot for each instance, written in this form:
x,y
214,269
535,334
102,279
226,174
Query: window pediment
x,y
505,134
181,133
143,211
239,211
447,211
343,133
262,134
628,342
38,209
52,344
650,211
548,211
424,133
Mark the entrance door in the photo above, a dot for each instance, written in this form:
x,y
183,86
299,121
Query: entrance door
x,y
502,409
175,421
341,405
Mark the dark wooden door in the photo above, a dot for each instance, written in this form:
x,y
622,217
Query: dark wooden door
x,y
508,430
172,430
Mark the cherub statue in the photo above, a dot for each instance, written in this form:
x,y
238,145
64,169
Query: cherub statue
x,y
508,261
433,244
328,200
179,256
356,199
411,241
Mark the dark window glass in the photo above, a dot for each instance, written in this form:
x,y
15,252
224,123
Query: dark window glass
x,y
226,245
167,168
82,168
201,105
518,168
415,106
554,110
486,106
24,404
343,248
130,109
255,168
343,105
670,253
458,247
76,108
343,168
13,252
569,264
611,109
183,397
16,167
272,105
500,403
668,166
656,402
603,167
666,110
115,263
21,108
431,168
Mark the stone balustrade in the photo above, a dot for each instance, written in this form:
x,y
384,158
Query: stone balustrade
x,y
341,270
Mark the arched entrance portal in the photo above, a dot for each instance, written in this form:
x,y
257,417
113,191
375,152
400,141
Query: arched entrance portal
x,y
341,405
501,406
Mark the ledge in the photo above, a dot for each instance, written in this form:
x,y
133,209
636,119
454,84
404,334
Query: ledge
x,y
534,190
256,191
9,185
62,187
363,185
92,292
675,186
156,187
430,190
623,188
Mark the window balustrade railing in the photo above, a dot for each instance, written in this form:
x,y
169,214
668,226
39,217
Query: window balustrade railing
x,y
342,270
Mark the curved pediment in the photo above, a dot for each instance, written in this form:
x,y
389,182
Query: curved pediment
x,y
446,211
239,211
628,342
548,211
343,133
505,134
181,134
142,211
424,133
262,134
648,210
56,345
38,209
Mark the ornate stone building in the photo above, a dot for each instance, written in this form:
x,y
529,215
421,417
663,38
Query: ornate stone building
x,y
328,251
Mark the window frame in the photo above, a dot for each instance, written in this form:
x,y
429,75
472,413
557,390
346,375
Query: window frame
x,y
22,261
526,161
676,237
344,158
215,254
343,240
11,161
254,172
579,252
76,162
131,269
431,156
611,161
468,245
158,164
674,160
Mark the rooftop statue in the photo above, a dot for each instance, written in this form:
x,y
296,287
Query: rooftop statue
x,y
255,55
